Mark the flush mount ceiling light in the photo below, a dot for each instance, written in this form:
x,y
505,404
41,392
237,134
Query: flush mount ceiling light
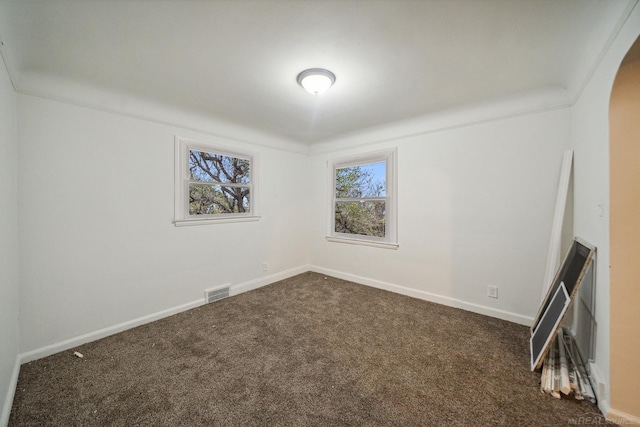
x,y
316,80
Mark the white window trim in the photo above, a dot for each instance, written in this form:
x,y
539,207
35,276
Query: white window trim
x,y
390,241
181,182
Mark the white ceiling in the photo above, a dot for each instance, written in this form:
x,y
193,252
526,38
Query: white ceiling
x,y
237,60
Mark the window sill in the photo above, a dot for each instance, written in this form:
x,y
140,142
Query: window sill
x,y
362,242
204,221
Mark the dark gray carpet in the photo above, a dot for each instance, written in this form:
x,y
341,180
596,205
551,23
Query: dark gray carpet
x,y
306,351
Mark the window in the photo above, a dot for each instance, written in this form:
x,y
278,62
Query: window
x,y
363,199
213,184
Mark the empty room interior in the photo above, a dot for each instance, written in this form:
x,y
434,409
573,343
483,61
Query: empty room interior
x,y
296,212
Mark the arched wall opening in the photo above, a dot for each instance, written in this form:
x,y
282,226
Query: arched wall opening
x,y
624,228
590,140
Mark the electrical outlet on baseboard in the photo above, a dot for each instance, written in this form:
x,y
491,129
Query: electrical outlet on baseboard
x,y
492,292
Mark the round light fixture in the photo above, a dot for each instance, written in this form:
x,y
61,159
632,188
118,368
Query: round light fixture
x,y
316,80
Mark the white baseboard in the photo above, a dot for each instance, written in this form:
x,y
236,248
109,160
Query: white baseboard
x,y
428,296
8,400
102,333
599,387
267,280
48,350
263,281
622,418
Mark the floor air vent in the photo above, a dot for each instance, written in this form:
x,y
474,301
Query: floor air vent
x,y
211,295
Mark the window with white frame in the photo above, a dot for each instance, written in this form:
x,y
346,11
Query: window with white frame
x,y
213,183
363,199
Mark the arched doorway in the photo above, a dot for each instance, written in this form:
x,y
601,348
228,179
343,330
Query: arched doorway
x,y
624,228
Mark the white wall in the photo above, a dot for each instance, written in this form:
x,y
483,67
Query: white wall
x,y
8,242
98,247
590,136
475,209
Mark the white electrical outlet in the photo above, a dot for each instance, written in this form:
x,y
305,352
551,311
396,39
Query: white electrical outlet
x,y
492,292
265,267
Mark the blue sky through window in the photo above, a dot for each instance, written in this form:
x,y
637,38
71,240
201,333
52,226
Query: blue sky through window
x,y
379,173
